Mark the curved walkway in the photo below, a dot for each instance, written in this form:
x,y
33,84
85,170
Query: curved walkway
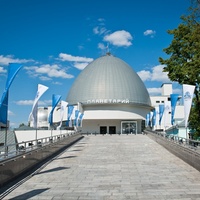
x,y
113,167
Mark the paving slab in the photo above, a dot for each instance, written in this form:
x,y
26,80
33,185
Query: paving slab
x,y
113,167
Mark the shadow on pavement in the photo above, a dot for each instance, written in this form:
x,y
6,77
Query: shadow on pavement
x,y
30,194
53,170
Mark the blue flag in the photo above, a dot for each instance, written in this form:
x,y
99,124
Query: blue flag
x,y
76,117
55,100
174,99
70,110
147,119
80,119
161,111
4,108
154,118
13,69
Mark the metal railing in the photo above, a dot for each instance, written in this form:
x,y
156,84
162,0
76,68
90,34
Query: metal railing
x,y
12,150
189,143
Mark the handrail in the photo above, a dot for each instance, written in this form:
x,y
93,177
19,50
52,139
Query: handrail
x,y
26,146
193,144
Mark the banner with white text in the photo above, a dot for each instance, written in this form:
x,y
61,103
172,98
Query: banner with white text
x,y
188,91
33,115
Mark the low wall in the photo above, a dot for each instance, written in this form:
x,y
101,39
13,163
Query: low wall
x,y
186,154
27,135
21,164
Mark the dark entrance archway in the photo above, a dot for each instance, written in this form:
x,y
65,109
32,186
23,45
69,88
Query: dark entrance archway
x,y
112,129
103,130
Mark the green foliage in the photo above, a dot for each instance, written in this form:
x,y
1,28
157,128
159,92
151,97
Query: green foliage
x,y
183,64
194,124
22,124
184,51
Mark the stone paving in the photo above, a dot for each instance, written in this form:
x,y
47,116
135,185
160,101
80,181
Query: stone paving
x,y
113,167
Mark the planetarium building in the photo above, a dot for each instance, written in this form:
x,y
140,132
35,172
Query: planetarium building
x,y
112,97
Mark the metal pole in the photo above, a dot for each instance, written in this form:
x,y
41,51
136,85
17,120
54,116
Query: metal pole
x,y
36,134
6,147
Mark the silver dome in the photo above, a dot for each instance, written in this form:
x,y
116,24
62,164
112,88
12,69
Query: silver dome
x,y
108,77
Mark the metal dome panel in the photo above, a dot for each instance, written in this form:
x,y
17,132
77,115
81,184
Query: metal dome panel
x,y
108,79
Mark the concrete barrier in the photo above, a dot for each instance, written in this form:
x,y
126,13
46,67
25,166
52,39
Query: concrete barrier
x,y
17,166
188,155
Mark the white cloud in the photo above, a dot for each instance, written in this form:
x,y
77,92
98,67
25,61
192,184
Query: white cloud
x,y
80,66
99,30
80,47
156,74
70,58
78,62
30,102
154,91
2,70
57,83
144,75
49,70
25,102
45,78
101,46
10,113
119,38
101,19
96,30
5,60
150,32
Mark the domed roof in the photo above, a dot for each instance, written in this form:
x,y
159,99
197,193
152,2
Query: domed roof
x,y
108,78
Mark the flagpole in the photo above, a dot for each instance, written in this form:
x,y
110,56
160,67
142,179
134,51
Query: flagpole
x,y
36,134
187,138
6,148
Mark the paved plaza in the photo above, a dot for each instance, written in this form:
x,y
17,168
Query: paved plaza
x,y
113,167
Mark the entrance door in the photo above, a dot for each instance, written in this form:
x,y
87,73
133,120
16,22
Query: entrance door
x,y
103,129
129,127
112,129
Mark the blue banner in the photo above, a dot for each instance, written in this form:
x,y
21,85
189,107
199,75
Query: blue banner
x,y
76,117
12,72
161,111
4,108
154,118
55,100
13,69
174,99
147,119
70,110
80,119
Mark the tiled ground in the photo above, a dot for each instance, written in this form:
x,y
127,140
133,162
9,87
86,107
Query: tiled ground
x,y
113,167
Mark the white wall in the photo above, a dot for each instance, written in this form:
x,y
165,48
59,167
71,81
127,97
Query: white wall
x,y
92,126
28,135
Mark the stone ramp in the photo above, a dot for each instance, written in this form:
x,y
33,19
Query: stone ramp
x,y
113,167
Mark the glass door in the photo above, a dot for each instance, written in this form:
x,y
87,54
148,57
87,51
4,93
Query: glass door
x,y
129,127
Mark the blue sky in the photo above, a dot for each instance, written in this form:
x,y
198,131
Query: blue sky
x,y
55,39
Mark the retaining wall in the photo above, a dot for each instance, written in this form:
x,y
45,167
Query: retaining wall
x,y
188,155
21,164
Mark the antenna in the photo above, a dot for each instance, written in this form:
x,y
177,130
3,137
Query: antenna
x,y
107,50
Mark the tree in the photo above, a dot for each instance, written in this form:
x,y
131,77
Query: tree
x,y
183,64
21,125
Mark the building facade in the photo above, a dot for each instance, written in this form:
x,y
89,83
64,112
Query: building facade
x,y
112,96
113,100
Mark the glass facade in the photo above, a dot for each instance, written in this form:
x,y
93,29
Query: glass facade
x,y
129,127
